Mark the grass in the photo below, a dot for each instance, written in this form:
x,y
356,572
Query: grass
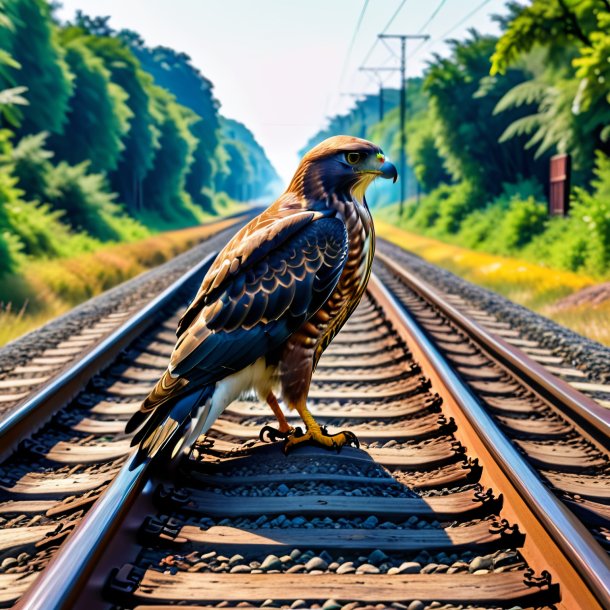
x,y
44,289
523,282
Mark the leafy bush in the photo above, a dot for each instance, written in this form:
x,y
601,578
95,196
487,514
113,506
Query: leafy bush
x,y
522,222
462,200
41,233
31,164
480,229
426,213
88,206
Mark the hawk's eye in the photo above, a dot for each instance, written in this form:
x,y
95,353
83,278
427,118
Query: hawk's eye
x,y
353,157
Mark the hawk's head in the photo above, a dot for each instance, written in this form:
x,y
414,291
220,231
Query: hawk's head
x,y
341,165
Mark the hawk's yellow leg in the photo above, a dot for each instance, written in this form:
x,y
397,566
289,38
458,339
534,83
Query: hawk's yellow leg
x,y
315,434
285,427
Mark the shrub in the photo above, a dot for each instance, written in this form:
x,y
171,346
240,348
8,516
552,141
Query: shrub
x,y
523,220
88,206
426,214
480,229
462,200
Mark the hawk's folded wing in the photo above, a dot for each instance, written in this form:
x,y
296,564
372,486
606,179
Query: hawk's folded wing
x,y
252,299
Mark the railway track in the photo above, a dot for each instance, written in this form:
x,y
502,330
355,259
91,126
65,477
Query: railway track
x,y
473,487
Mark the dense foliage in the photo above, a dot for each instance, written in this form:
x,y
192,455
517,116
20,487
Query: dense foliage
x,y
483,123
103,138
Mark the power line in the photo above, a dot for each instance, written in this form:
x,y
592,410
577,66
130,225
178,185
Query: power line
x,y
385,29
452,29
353,40
463,20
432,17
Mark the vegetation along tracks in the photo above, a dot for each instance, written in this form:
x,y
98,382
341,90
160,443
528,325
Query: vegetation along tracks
x,y
443,505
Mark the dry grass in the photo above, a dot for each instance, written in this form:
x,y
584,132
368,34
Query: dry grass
x,y
46,289
528,284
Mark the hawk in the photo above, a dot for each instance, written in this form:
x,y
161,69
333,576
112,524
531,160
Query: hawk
x,y
270,304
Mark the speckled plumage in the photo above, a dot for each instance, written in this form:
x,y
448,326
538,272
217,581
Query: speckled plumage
x,y
274,297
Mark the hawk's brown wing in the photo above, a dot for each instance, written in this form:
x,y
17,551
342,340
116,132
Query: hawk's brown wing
x,y
263,295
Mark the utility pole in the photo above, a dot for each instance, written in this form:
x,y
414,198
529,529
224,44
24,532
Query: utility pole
x,y
403,108
376,71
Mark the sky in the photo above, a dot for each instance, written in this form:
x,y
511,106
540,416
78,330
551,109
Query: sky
x,y
282,67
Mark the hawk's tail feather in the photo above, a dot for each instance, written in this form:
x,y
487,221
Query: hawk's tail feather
x,y
166,389
168,425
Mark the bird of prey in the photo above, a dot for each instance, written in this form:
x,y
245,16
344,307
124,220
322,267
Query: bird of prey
x,y
270,304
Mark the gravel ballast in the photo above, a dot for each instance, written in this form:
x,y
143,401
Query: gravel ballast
x,y
587,355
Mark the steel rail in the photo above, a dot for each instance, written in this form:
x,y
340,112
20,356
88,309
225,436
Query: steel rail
x,y
38,408
570,535
570,401
61,582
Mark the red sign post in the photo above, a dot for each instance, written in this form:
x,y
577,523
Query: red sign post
x,y
559,191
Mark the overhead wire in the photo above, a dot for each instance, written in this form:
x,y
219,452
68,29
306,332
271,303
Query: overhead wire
x,y
353,40
330,98
385,29
452,29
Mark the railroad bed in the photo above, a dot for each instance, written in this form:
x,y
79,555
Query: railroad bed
x,y
437,509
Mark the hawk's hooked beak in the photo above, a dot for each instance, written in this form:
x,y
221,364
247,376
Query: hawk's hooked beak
x,y
385,170
388,171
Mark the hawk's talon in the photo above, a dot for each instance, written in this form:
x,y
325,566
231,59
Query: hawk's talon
x,y
321,438
269,434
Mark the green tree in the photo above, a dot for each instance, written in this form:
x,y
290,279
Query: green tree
x,y
99,116
142,139
175,72
566,45
29,38
463,98
164,186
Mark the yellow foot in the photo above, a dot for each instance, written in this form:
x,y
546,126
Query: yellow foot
x,y
269,434
317,436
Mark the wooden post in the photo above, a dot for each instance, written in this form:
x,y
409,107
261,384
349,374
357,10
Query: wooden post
x,y
559,185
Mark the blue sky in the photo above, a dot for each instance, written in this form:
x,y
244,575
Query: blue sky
x,y
280,66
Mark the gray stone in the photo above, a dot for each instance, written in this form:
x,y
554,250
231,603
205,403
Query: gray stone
x,y
316,563
271,562
240,569
299,567
377,557
428,569
331,604
346,568
295,554
235,559
480,563
367,568
416,605
370,522
409,567
298,603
